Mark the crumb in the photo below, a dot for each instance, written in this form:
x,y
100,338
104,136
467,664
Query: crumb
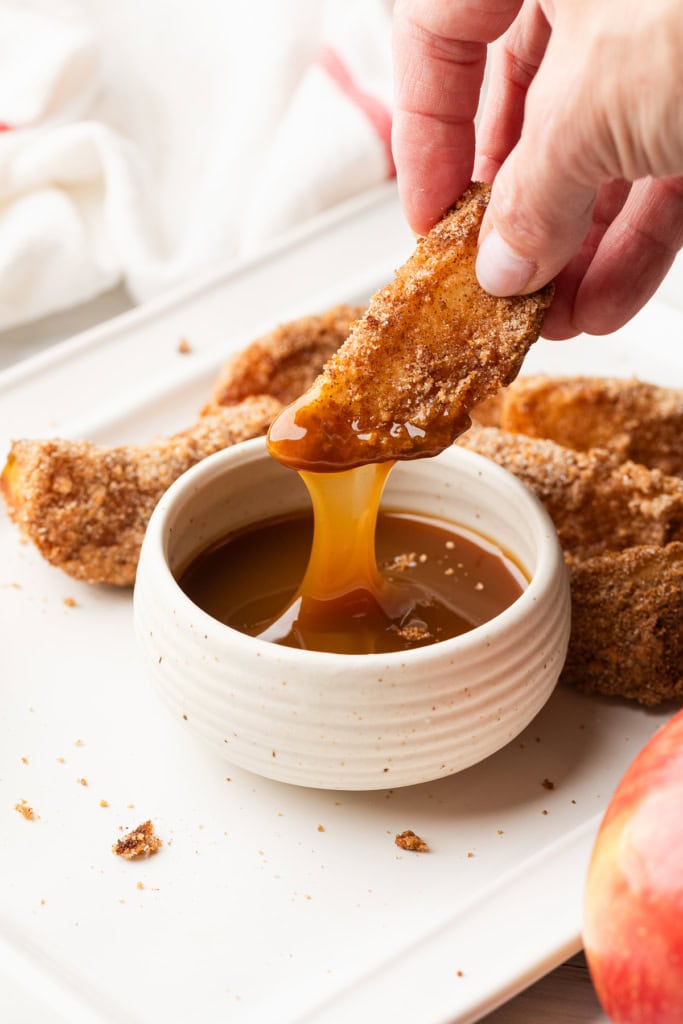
x,y
24,760
409,841
42,903
414,632
184,347
139,886
544,812
321,828
130,807
470,853
141,842
450,544
449,571
61,760
79,743
104,803
422,559
499,832
478,586
573,801
70,602
459,974
547,784
25,810
402,562
184,717
228,779
82,782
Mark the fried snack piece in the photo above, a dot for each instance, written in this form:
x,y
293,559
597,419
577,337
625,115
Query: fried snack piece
x,y
285,362
597,502
627,615
430,346
640,421
86,507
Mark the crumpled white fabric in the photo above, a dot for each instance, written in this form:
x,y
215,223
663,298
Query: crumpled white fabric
x,y
146,140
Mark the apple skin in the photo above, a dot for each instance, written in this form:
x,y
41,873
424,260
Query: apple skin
x,y
633,911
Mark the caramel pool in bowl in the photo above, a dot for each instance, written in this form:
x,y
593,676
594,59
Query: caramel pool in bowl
x,y
351,721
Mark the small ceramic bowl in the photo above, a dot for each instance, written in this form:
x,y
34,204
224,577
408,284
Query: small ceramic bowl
x,y
351,721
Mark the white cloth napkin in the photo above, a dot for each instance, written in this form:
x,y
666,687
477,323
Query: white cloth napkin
x,y
146,140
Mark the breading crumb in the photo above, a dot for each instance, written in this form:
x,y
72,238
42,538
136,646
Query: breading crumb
x,y
408,840
25,810
184,347
141,842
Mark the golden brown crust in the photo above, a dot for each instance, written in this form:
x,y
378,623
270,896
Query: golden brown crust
x,y
409,841
86,507
641,422
430,346
621,529
285,362
596,501
627,624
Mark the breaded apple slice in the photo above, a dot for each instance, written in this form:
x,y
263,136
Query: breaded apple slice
x,y
640,421
431,345
285,362
627,616
86,507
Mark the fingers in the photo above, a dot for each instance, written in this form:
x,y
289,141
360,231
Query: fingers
x,y
633,256
439,59
514,61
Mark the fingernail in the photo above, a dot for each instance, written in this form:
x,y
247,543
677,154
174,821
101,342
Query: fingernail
x,y
500,270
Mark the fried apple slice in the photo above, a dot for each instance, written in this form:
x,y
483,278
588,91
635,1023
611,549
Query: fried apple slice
x,y
596,501
640,421
285,362
626,638
86,507
430,346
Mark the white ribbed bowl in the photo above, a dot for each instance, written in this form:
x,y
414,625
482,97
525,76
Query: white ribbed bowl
x,y
351,721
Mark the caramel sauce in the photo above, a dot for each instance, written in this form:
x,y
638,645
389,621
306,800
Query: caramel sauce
x,y
411,581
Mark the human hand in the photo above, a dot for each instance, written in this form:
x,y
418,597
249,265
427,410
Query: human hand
x,y
581,135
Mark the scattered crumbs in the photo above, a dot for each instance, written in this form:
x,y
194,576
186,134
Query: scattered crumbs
x,y
141,842
402,562
24,760
184,347
537,738
422,559
61,760
408,840
544,811
307,896
573,801
25,810
449,571
42,903
30,709
104,803
261,853
130,807
547,784
184,717
385,769
82,782
273,753
450,544
70,602
470,853
337,803
228,779
478,586
499,832
460,974
522,746
121,901
321,828
79,743
414,632
139,885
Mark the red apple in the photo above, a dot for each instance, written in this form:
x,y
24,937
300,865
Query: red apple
x,y
633,920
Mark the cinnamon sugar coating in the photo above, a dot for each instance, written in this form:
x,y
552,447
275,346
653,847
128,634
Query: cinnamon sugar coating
x,y
627,624
597,501
285,362
621,529
640,421
431,345
86,507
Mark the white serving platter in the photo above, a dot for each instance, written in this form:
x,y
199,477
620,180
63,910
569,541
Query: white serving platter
x,y
267,903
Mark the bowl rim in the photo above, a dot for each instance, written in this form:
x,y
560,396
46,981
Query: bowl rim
x,y
550,562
